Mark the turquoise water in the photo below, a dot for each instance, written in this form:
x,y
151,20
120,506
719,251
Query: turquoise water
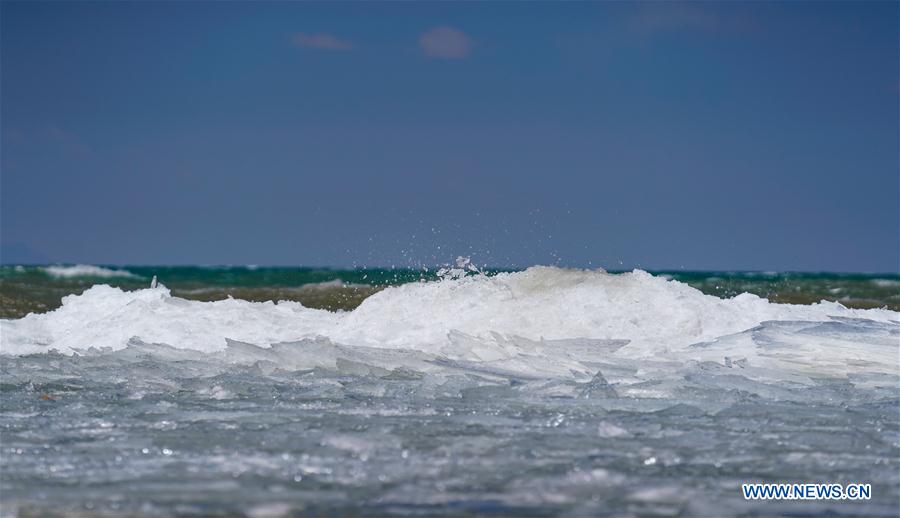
x,y
25,289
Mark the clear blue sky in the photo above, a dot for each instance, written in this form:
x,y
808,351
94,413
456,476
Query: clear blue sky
x,y
718,135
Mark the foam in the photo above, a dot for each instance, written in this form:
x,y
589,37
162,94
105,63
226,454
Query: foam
x,y
542,322
85,270
886,283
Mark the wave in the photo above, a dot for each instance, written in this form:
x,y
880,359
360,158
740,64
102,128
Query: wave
x,y
85,270
886,283
540,323
332,284
335,285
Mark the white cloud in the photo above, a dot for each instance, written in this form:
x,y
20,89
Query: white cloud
x,y
445,43
322,41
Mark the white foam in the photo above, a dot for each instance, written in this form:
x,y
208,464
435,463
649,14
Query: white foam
x,y
332,284
85,270
542,322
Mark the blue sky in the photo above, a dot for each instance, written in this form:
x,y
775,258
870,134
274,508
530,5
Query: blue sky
x,y
716,135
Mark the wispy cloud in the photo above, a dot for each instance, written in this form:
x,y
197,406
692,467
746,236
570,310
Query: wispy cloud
x,y
321,41
655,17
445,43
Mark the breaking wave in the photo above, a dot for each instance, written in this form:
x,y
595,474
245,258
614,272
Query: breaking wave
x,y
546,392
85,270
543,322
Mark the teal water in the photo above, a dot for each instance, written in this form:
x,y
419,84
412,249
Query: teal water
x,y
27,289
